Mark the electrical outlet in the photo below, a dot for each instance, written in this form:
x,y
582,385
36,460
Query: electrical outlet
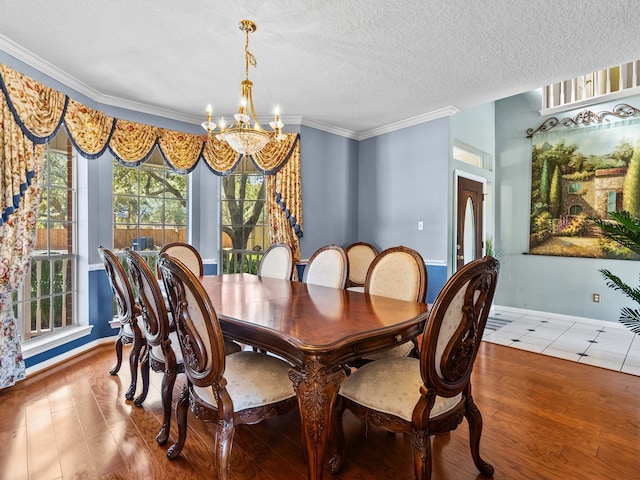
x,y
596,297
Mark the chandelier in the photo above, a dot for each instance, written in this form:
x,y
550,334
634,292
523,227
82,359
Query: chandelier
x,y
241,135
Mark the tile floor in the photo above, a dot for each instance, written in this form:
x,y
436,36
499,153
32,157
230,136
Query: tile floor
x,y
594,342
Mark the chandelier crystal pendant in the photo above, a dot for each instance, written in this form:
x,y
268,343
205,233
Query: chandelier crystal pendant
x,y
241,135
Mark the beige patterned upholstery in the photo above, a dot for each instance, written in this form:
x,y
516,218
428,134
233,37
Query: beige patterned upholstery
x,y
360,255
187,254
253,380
327,267
392,385
277,262
399,273
432,394
241,388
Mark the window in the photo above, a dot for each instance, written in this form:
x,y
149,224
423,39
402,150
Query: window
x,y
575,187
47,299
149,205
472,156
614,202
245,232
575,210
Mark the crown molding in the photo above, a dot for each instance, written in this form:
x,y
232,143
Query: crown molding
x,y
330,129
409,122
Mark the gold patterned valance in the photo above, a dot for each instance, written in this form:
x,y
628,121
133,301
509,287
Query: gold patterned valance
x,y
132,142
40,111
180,150
88,129
37,109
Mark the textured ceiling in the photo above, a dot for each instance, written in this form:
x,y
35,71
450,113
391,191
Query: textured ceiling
x,y
350,65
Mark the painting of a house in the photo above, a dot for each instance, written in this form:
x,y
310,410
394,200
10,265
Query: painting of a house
x,y
580,173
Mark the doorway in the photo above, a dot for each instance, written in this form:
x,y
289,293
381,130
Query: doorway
x,y
469,220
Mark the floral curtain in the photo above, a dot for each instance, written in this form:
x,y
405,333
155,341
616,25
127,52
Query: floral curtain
x,y
31,115
19,168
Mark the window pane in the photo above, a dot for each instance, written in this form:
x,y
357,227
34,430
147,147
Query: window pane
x,y
125,209
154,211
151,210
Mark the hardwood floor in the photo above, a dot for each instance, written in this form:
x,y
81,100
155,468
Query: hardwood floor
x,y
544,418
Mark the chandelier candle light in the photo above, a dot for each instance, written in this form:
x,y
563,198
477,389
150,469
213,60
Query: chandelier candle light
x,y
241,136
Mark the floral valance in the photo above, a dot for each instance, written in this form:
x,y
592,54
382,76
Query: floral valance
x,y
40,111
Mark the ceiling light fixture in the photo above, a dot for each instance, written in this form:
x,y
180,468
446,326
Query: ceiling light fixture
x,y
241,135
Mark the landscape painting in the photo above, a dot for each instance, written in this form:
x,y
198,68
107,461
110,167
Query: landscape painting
x,y
578,173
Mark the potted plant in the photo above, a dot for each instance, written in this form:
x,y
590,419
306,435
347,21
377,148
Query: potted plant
x,y
624,230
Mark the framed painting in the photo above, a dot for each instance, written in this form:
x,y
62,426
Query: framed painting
x,y
587,170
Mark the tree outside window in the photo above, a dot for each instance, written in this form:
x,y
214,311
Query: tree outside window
x,y
149,206
244,227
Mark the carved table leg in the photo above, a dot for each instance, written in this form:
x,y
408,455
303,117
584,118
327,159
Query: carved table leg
x,y
316,389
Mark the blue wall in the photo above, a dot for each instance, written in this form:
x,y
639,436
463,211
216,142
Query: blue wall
x,y
329,171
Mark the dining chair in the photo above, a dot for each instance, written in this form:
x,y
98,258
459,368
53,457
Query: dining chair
x,y
128,312
360,255
187,254
241,388
277,262
328,267
190,257
432,394
161,352
400,273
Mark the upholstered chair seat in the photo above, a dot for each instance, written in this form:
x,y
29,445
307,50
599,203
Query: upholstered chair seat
x,y
158,355
392,386
253,380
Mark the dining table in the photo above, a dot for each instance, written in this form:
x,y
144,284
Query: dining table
x,y
318,330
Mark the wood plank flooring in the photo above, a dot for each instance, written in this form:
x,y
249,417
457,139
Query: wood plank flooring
x,y
544,418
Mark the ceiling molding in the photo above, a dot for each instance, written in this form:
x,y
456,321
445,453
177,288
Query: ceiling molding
x,y
46,68
330,129
409,122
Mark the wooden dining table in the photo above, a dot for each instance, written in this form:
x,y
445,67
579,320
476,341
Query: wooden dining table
x,y
318,330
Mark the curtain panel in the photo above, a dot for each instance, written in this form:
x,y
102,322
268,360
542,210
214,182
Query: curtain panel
x,y
20,163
